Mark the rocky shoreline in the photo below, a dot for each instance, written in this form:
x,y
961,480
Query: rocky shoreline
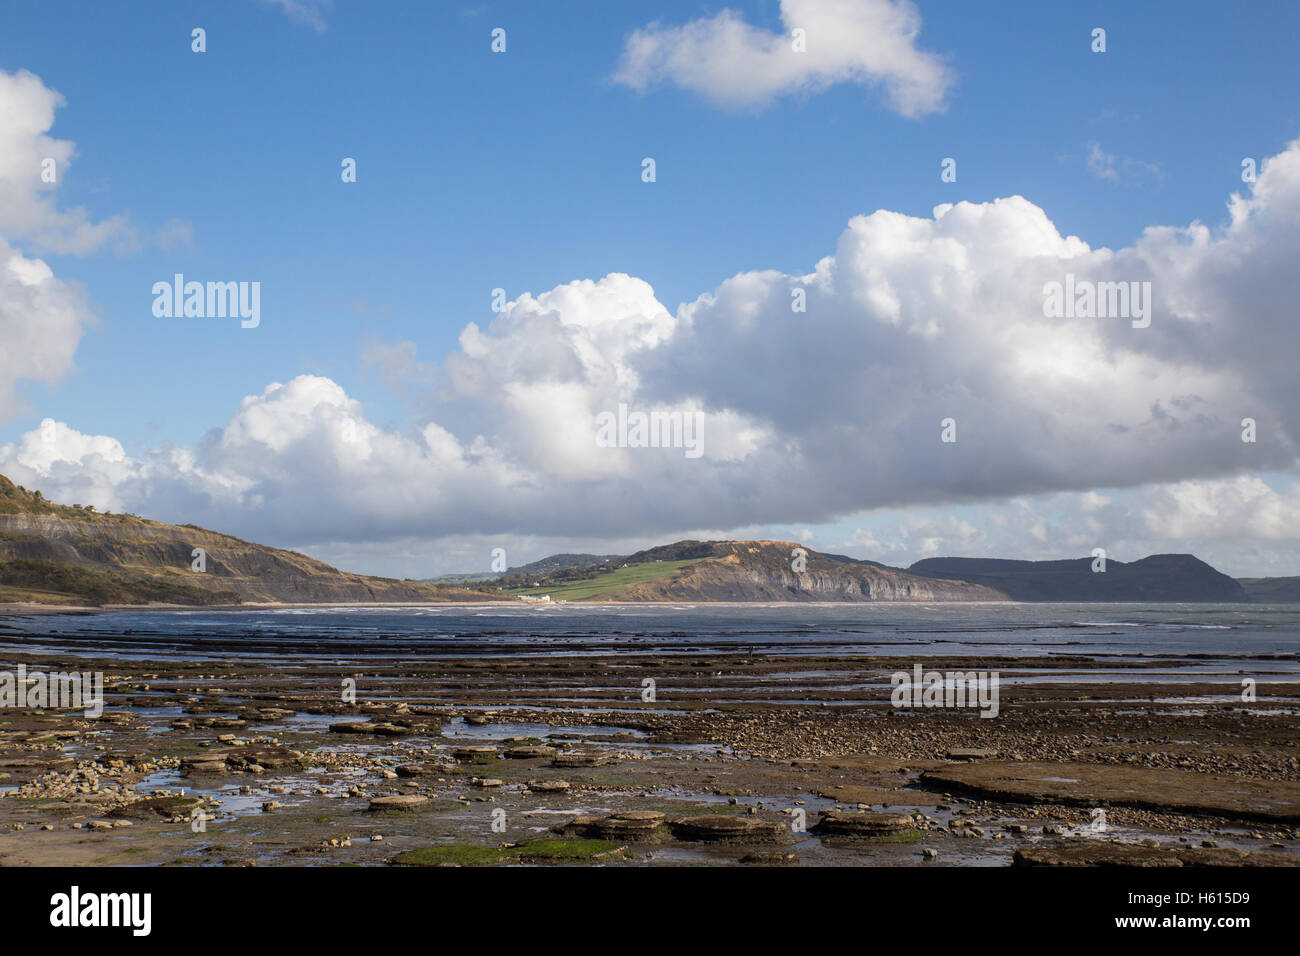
x,y
732,758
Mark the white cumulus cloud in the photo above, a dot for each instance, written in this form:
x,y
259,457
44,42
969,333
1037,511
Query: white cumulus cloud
x,y
41,322
42,318
730,62
809,416
29,158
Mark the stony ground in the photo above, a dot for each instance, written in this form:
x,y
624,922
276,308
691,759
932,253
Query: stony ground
x,y
627,759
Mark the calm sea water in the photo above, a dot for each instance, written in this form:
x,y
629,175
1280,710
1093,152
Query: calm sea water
x,y
1095,630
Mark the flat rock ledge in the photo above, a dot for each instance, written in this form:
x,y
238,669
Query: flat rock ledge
x,y
581,759
239,760
724,828
156,806
424,769
1095,784
863,823
528,753
401,801
628,825
378,728
971,753
475,754
1131,854
640,825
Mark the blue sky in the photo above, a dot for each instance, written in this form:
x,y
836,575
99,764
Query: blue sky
x,y
522,170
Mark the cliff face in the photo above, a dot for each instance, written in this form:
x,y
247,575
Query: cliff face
x,y
1271,590
762,571
62,554
1159,578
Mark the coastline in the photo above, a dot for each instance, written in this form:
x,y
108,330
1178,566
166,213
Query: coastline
x,y
26,608
566,753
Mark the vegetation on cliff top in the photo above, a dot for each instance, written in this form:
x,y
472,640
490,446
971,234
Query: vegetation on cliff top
x,y
605,585
47,582
69,554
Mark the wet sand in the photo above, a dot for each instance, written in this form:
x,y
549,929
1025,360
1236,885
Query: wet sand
x,y
740,758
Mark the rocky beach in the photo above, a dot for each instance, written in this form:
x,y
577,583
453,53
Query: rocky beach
x,y
519,749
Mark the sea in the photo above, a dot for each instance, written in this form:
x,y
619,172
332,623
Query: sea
x,y
1114,633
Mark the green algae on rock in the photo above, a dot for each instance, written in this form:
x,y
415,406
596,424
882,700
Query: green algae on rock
x,y
536,851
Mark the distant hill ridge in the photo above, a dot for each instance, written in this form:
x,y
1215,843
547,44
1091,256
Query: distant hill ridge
x,y
762,571
60,554
1158,578
548,565
702,571
1272,590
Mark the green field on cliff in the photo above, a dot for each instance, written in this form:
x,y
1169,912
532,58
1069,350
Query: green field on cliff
x,y
607,585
